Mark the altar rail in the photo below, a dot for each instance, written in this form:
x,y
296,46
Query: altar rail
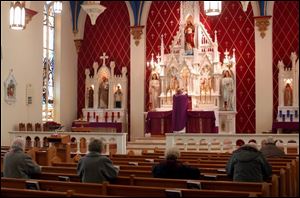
x,y
118,138
222,140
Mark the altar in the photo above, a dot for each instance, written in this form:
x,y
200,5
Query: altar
x,y
160,122
194,66
105,100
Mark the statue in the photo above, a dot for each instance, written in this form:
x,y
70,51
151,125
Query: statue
x,y
103,93
227,90
154,91
91,98
189,37
118,97
288,95
174,85
185,78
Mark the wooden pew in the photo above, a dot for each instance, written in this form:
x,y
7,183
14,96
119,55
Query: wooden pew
x,y
263,187
123,190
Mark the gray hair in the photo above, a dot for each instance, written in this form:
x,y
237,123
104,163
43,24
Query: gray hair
x,y
96,145
172,153
18,143
270,140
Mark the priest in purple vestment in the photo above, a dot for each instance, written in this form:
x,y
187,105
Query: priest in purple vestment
x,y
179,113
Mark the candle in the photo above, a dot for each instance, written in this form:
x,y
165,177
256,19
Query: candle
x,y
112,116
280,113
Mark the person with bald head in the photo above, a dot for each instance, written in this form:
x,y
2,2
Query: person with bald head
x,y
17,164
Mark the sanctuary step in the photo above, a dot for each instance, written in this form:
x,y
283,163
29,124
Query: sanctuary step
x,y
146,144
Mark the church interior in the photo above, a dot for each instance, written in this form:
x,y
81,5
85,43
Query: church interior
x,y
206,77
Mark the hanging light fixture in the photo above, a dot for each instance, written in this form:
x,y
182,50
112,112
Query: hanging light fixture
x,y
212,8
93,9
17,15
57,7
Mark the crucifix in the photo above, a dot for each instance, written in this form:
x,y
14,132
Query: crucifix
x,y
103,57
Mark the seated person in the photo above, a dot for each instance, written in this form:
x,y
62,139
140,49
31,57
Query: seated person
x,y
247,164
269,149
17,164
94,167
174,169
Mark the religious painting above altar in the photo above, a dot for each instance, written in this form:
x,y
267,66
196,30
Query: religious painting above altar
x,y
105,96
194,66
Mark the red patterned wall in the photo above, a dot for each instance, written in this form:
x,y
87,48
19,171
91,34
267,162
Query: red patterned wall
x,y
285,39
110,34
235,30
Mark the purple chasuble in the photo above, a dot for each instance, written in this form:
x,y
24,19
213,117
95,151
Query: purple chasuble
x,y
179,114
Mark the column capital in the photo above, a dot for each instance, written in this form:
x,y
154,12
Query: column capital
x,y
136,32
262,22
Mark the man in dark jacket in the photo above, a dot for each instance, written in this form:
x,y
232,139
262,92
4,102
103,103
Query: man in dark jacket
x,y
247,164
94,167
269,149
172,168
18,164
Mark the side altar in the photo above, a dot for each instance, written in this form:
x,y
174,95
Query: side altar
x,y
288,96
194,66
105,98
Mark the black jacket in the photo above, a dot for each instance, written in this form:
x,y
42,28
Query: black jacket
x,y
175,170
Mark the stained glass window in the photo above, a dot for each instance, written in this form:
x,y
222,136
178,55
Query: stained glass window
x,y
48,63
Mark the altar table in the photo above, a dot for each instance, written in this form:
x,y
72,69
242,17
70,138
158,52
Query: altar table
x,y
160,122
90,126
285,126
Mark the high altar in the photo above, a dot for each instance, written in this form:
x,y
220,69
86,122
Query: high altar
x,y
193,65
106,97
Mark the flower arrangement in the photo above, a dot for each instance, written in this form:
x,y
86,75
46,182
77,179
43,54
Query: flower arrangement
x,y
52,126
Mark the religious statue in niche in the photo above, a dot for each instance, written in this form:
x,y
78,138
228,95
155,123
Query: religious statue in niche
x,y
174,85
227,86
154,87
189,32
205,80
118,97
103,93
91,98
288,95
10,88
185,78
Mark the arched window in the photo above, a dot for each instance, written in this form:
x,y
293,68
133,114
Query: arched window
x,y
48,62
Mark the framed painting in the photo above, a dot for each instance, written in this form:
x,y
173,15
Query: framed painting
x,y
10,85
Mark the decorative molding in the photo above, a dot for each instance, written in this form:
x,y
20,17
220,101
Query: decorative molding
x,y
136,32
29,14
78,43
262,22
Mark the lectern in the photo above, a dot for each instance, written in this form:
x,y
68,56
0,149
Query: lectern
x,y
62,145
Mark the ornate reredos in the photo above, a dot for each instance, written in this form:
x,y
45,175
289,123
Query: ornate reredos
x,y
194,60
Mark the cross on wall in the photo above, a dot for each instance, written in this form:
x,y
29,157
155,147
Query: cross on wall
x,y
103,57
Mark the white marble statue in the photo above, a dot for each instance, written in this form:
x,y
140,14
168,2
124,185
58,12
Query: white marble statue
x,y
154,91
227,85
